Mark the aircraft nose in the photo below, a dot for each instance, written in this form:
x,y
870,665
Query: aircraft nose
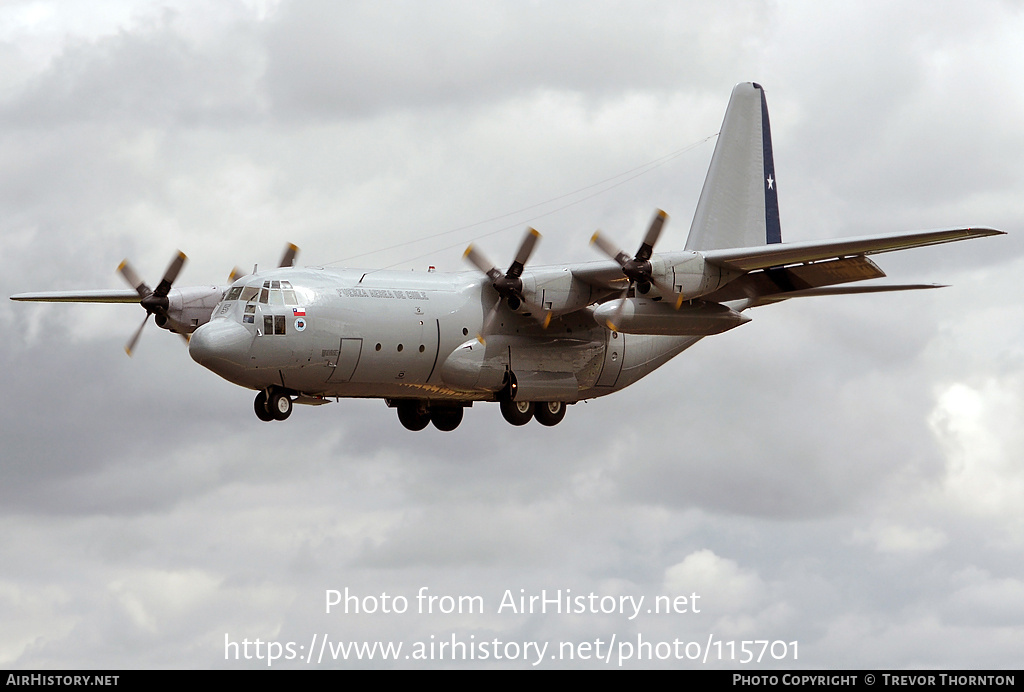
x,y
221,345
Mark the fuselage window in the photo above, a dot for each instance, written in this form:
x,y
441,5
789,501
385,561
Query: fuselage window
x,y
249,293
264,295
250,314
279,324
234,293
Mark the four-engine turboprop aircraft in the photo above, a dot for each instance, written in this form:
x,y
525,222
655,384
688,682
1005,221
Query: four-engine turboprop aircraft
x,y
534,340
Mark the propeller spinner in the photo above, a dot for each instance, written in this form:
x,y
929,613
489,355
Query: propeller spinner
x,y
638,269
508,284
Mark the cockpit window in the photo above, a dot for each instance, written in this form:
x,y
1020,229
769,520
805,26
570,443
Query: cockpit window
x,y
271,293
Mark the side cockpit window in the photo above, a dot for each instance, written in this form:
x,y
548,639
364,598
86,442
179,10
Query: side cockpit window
x,y
273,324
277,297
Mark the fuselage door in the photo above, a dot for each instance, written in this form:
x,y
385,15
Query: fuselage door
x,y
614,353
348,359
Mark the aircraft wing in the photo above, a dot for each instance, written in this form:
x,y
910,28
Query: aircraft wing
x,y
602,275
779,254
116,296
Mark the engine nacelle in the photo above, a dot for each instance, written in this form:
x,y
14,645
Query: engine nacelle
x,y
558,291
692,275
188,308
645,316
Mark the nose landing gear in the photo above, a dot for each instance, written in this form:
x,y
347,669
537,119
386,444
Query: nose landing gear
x,y
272,404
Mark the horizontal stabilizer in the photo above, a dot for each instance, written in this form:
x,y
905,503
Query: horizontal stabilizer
x,y
777,255
836,291
116,296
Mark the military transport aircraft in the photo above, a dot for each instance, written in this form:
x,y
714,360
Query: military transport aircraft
x,y
535,340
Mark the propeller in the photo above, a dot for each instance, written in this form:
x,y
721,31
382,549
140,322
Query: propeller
x,y
153,300
508,284
638,269
291,251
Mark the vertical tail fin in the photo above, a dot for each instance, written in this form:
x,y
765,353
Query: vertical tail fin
x,y
739,205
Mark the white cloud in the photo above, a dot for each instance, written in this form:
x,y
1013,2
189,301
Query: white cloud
x,y
979,430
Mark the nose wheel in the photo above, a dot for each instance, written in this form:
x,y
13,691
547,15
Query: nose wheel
x,y
276,405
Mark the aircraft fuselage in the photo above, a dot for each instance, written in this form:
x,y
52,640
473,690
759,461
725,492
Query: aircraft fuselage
x,y
409,335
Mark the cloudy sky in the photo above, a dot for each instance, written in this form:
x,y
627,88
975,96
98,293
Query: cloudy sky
x,y
846,473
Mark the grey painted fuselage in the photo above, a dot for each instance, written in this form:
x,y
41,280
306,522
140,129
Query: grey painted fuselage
x,y
396,335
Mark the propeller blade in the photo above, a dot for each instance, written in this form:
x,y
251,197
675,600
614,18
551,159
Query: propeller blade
x,y
485,328
539,313
288,258
173,269
236,274
653,231
616,319
668,293
130,346
125,270
609,248
478,260
524,252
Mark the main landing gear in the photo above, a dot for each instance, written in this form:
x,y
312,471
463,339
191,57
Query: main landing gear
x,y
415,415
272,404
545,412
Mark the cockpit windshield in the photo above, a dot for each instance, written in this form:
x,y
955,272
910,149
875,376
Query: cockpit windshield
x,y
269,293
281,295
